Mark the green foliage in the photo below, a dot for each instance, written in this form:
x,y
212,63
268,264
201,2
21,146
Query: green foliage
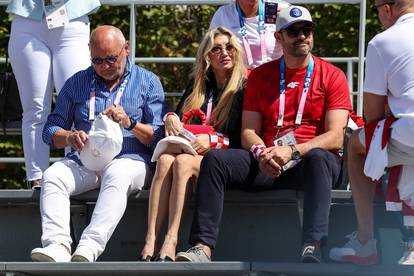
x,y
337,29
175,31
5,22
11,175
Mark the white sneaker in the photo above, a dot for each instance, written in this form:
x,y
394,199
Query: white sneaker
x,y
408,256
354,252
83,254
55,252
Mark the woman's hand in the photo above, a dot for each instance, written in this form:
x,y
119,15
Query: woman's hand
x,y
201,144
172,125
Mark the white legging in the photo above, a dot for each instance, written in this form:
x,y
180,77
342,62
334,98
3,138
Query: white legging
x,y
40,59
64,178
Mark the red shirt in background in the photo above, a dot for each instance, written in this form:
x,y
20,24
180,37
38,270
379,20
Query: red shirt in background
x,y
328,90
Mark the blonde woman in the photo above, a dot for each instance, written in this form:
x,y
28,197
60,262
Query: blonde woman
x,y
217,88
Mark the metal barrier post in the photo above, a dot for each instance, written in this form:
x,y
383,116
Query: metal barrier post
x,y
132,24
361,56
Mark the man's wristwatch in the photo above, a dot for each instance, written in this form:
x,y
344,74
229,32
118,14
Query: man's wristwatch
x,y
132,125
295,152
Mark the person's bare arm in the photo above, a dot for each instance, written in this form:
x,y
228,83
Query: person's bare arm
x,y
75,139
251,129
374,106
335,123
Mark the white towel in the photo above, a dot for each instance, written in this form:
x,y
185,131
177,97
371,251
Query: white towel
x,y
406,185
377,158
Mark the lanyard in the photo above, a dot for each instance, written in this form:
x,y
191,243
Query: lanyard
x,y
282,91
209,107
92,96
261,29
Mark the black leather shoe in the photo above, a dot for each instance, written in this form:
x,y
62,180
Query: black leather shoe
x,y
147,258
34,184
165,259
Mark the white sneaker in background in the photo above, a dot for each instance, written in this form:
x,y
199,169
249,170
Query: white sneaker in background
x,y
408,256
354,252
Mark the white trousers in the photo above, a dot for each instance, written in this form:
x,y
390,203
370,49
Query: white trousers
x,y
65,178
40,59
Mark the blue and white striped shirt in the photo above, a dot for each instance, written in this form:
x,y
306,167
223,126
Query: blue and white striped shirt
x,y
143,100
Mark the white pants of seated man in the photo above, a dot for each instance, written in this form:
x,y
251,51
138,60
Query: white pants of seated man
x,y
65,178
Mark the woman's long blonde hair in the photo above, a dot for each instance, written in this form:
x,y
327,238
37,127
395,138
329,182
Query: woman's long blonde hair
x,y
220,114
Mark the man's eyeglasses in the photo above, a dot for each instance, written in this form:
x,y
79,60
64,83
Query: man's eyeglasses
x,y
220,49
108,59
375,7
294,32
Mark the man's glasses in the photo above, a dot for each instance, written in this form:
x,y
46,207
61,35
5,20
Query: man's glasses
x,y
375,7
294,32
108,59
220,49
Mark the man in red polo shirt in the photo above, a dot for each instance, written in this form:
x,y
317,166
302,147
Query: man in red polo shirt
x,y
295,112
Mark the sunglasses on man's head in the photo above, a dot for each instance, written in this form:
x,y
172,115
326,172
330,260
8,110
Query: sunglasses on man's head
x,y
219,49
375,7
294,32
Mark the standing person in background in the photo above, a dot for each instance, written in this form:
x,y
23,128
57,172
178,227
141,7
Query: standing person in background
x,y
246,19
217,88
48,44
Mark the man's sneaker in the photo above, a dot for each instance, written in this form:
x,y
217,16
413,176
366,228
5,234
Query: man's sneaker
x,y
354,252
408,256
194,254
55,252
311,254
83,254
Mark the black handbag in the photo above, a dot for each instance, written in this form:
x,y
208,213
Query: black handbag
x,y
10,105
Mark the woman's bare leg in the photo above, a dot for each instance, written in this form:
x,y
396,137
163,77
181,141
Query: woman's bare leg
x,y
157,207
185,166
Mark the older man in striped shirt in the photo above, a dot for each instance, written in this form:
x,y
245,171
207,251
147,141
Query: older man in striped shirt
x,y
127,94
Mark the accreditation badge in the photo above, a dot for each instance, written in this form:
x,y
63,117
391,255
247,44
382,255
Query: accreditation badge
x,y
56,13
285,140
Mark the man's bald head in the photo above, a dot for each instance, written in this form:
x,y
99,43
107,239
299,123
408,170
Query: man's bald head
x,y
399,5
108,46
389,11
106,34
404,4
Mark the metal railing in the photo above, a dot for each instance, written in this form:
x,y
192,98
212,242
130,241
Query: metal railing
x,y
132,37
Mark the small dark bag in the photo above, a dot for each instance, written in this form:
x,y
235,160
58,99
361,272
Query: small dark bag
x,y
10,105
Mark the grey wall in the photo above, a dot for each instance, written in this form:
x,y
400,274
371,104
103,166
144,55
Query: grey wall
x,y
255,227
